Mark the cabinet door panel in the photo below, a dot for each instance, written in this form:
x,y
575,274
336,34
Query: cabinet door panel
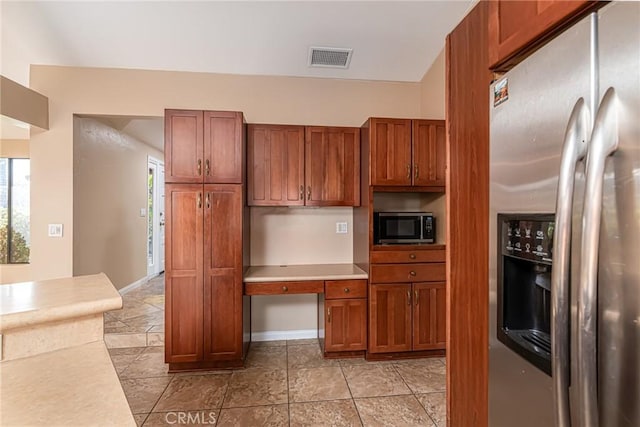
x,y
429,316
223,266
390,151
223,147
429,152
332,166
346,325
223,315
389,318
184,273
183,146
276,165
516,27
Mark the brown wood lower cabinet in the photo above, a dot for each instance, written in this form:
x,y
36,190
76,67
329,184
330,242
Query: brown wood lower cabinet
x,y
342,316
407,317
429,316
346,325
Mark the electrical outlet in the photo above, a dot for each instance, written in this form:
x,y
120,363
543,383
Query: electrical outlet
x,y
55,230
143,212
341,228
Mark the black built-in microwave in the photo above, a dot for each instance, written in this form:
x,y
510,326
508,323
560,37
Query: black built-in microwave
x,y
403,227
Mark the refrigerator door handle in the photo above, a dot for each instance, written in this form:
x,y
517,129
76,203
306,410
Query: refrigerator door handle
x,y
604,141
574,150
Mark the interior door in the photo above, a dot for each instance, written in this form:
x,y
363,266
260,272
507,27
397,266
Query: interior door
x,y
160,207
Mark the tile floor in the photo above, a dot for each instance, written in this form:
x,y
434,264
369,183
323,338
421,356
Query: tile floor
x,y
141,320
285,383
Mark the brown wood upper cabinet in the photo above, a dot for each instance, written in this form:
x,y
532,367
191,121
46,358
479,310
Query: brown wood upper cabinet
x,y
516,27
407,152
275,158
203,146
312,166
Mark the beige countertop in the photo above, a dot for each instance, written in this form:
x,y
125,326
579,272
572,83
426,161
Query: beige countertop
x,y
281,273
32,303
74,386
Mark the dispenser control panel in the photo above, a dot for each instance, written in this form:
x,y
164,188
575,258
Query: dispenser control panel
x,y
528,238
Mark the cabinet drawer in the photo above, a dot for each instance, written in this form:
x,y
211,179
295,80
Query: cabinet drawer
x,y
394,273
334,289
387,257
283,288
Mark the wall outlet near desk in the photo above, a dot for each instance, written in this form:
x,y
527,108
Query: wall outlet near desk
x,y
341,228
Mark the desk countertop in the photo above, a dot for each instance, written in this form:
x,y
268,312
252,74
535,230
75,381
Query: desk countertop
x,y
282,273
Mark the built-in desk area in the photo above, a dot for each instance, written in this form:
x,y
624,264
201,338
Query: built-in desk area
x,y
342,300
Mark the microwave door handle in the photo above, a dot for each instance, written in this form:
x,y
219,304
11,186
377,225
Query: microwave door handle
x,y
574,150
604,141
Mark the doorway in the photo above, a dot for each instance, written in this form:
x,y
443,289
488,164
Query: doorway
x,y
155,217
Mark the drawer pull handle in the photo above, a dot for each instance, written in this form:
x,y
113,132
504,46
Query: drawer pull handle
x,y
302,192
412,273
346,290
199,167
309,192
207,166
415,297
408,171
412,256
285,289
408,297
329,315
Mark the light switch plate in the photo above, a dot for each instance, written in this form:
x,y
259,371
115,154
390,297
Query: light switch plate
x,y
143,212
341,228
55,230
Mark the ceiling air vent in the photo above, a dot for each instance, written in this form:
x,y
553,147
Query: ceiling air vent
x,y
329,57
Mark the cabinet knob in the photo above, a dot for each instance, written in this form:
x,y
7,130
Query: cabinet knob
x,y
346,290
285,289
412,273
412,256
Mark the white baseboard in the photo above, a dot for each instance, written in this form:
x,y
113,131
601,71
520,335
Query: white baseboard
x,y
137,284
284,335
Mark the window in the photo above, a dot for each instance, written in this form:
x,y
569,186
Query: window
x,y
15,238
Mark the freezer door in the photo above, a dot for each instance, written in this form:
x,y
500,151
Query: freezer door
x,y
619,255
527,132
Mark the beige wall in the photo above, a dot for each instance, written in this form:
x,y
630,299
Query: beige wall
x,y
109,188
147,93
432,90
16,148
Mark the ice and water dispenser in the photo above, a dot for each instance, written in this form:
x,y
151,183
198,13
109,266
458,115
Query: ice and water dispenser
x,y
525,246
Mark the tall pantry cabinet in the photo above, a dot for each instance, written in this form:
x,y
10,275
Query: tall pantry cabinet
x,y
207,321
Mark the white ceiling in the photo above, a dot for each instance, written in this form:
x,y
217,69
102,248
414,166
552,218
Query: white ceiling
x,y
391,40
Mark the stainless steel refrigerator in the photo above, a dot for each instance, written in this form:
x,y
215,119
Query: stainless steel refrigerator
x,y
565,230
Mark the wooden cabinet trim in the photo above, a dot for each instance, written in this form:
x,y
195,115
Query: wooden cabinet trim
x,y
284,288
417,256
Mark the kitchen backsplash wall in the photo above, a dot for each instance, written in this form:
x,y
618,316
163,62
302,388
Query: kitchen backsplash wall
x,y
284,236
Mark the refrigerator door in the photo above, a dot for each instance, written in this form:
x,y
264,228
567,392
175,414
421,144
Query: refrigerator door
x,y
619,255
527,132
